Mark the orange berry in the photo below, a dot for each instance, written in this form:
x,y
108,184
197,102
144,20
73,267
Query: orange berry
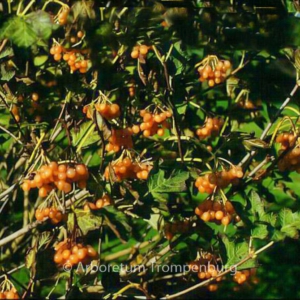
x,y
58,258
71,173
83,64
115,110
144,49
147,117
225,221
227,64
211,82
52,50
219,215
82,70
72,57
26,186
147,133
66,56
57,56
91,251
39,215
67,187
58,49
43,192
160,131
205,216
81,169
135,54
35,96
73,40
66,254
144,174
135,129
74,259
80,34
82,253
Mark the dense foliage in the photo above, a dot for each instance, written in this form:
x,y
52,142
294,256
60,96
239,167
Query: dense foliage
x,y
149,149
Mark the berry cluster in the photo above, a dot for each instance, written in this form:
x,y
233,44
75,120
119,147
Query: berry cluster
x,y
75,39
213,70
178,227
120,139
63,16
210,211
204,266
286,139
155,123
104,201
128,169
241,276
138,51
290,161
108,111
75,60
209,182
211,127
52,213
71,254
246,104
9,294
16,113
54,175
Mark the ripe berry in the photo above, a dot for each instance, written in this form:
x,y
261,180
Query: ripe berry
x,y
57,57
135,54
35,96
143,49
80,34
225,220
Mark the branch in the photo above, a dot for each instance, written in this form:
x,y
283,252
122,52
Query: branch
x,y
33,225
265,132
250,256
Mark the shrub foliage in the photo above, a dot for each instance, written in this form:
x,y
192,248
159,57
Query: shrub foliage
x,y
136,137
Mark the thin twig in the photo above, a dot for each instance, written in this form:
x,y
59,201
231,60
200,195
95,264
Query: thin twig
x,y
250,256
265,132
33,225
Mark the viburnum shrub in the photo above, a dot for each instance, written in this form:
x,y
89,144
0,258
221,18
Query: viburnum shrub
x,y
149,149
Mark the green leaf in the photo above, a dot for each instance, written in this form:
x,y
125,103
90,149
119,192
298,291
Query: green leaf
x,y
155,221
269,218
83,10
181,109
85,220
85,136
44,238
7,75
19,32
40,60
8,51
158,184
278,236
117,216
260,232
255,143
290,223
103,126
257,206
236,252
30,258
41,24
